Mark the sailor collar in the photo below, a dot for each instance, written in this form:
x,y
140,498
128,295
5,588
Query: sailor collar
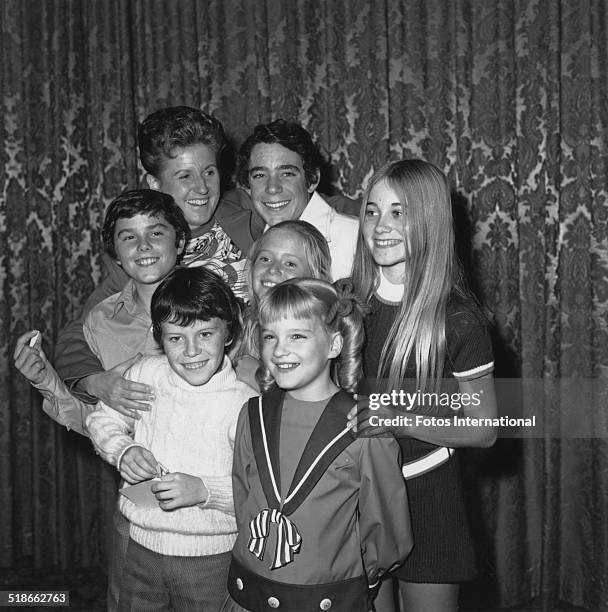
x,y
330,436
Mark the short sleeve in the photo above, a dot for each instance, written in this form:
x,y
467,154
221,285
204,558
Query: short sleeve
x,y
469,346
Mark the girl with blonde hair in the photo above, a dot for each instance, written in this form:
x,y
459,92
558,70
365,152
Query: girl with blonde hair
x,y
322,514
289,249
425,335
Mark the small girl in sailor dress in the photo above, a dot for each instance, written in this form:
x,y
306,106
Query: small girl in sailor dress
x,y
322,514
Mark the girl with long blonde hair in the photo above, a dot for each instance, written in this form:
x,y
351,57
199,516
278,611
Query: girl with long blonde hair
x,y
425,335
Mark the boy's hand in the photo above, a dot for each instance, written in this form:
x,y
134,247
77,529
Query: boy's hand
x,y
124,396
178,490
138,464
31,360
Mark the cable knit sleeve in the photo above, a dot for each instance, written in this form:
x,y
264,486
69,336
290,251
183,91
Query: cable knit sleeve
x,y
220,494
111,433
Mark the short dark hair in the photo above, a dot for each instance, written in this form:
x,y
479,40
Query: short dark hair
x,y
177,126
143,202
187,295
289,134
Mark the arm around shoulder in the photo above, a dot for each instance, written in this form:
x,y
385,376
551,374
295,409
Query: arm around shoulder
x,y
74,359
63,407
473,427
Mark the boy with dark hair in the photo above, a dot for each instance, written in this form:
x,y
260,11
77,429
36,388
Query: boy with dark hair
x,y
143,202
144,232
179,552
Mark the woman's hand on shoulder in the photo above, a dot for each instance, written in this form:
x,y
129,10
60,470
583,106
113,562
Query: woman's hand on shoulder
x,y
127,397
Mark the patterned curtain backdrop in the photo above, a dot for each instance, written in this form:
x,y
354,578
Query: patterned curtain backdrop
x,y
507,96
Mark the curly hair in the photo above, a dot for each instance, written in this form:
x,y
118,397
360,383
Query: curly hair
x,y
160,133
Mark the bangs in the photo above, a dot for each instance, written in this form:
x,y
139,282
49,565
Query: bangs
x,y
186,315
288,301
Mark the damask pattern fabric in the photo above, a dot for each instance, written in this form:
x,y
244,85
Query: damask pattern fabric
x,y
507,97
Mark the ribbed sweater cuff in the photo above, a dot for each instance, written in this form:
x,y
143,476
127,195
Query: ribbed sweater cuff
x,y
220,493
180,544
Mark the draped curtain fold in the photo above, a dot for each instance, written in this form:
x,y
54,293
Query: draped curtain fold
x,y
509,97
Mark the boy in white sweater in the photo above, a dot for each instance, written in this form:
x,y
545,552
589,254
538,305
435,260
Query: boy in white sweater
x,y
179,552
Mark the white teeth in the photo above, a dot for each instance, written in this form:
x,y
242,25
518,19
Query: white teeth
x,y
197,202
276,205
268,284
383,243
287,366
146,261
194,366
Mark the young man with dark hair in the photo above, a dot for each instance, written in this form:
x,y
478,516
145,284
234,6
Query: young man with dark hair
x,y
279,166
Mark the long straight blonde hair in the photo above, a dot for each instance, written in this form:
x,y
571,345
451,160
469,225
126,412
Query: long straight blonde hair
x,y
431,272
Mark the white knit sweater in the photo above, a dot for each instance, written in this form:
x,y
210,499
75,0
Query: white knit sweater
x,y
189,429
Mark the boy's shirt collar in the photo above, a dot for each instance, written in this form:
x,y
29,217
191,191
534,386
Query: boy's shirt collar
x,y
128,300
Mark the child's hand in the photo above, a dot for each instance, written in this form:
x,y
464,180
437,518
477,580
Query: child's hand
x,y
138,464
127,397
178,490
360,414
31,360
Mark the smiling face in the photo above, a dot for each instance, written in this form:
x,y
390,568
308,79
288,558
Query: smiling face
x,y
277,183
145,247
195,352
191,176
298,354
384,230
281,256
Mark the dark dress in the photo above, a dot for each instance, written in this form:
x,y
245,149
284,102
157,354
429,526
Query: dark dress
x,y
443,549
